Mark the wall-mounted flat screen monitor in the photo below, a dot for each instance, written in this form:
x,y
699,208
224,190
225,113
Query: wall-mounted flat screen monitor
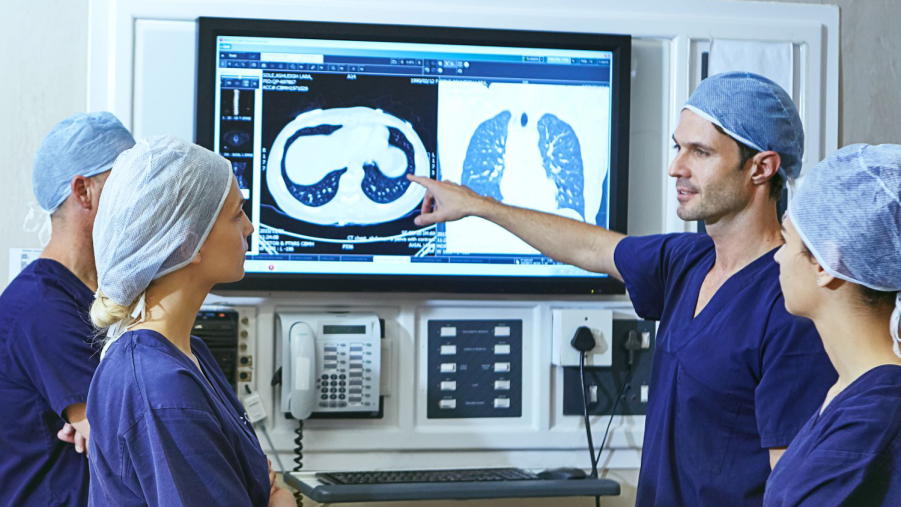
x,y
322,123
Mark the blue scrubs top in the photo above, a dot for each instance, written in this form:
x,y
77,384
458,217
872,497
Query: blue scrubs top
x,y
47,363
163,434
740,378
850,455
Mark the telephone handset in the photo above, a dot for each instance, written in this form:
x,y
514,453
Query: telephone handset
x,y
303,378
330,363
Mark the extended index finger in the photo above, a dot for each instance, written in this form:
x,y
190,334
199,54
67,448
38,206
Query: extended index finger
x,y
426,182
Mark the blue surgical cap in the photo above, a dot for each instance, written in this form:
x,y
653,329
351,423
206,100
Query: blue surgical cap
x,y
84,144
848,213
755,112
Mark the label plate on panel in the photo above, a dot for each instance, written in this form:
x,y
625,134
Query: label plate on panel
x,y
480,349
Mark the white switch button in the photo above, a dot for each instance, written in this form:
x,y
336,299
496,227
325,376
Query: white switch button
x,y
501,367
644,394
447,404
502,331
501,385
448,350
448,367
502,403
449,385
448,331
502,350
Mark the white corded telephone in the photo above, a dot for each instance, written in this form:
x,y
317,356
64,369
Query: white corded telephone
x,y
330,363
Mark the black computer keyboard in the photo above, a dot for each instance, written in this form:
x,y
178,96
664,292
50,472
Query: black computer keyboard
x,y
420,476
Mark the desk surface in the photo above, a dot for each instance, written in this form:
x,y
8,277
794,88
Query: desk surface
x,y
311,487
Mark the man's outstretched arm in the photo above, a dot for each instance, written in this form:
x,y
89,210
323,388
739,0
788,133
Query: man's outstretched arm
x,y
587,246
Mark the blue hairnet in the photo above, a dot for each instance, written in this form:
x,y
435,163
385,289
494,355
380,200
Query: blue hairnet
x,y
848,213
156,210
84,144
755,112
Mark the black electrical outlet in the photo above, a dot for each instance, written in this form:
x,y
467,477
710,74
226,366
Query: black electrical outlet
x,y
610,380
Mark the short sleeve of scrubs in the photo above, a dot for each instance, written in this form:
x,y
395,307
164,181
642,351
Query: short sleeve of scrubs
x,y
794,363
646,263
835,479
56,354
850,455
183,458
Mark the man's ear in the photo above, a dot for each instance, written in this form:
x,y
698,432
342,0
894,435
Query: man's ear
x,y
764,166
95,187
81,191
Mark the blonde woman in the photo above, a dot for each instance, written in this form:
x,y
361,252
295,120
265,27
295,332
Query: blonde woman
x,y
166,428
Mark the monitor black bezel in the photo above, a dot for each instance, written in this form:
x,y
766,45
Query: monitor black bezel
x,y
620,45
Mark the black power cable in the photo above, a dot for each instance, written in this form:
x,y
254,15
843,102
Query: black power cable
x,y
594,464
622,391
584,341
632,345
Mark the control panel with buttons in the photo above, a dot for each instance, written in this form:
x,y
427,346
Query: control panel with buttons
x,y
474,369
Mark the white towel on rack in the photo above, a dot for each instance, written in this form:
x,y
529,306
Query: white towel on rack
x,y
774,60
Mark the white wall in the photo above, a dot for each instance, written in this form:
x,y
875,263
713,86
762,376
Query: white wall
x,y
43,79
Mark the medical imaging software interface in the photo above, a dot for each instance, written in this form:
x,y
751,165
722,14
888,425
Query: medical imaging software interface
x,y
321,135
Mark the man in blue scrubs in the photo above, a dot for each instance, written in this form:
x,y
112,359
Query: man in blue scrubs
x,y
45,330
735,376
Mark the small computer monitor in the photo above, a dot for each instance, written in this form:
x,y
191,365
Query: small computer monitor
x,y
323,122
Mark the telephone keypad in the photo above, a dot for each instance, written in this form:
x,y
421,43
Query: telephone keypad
x,y
350,374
